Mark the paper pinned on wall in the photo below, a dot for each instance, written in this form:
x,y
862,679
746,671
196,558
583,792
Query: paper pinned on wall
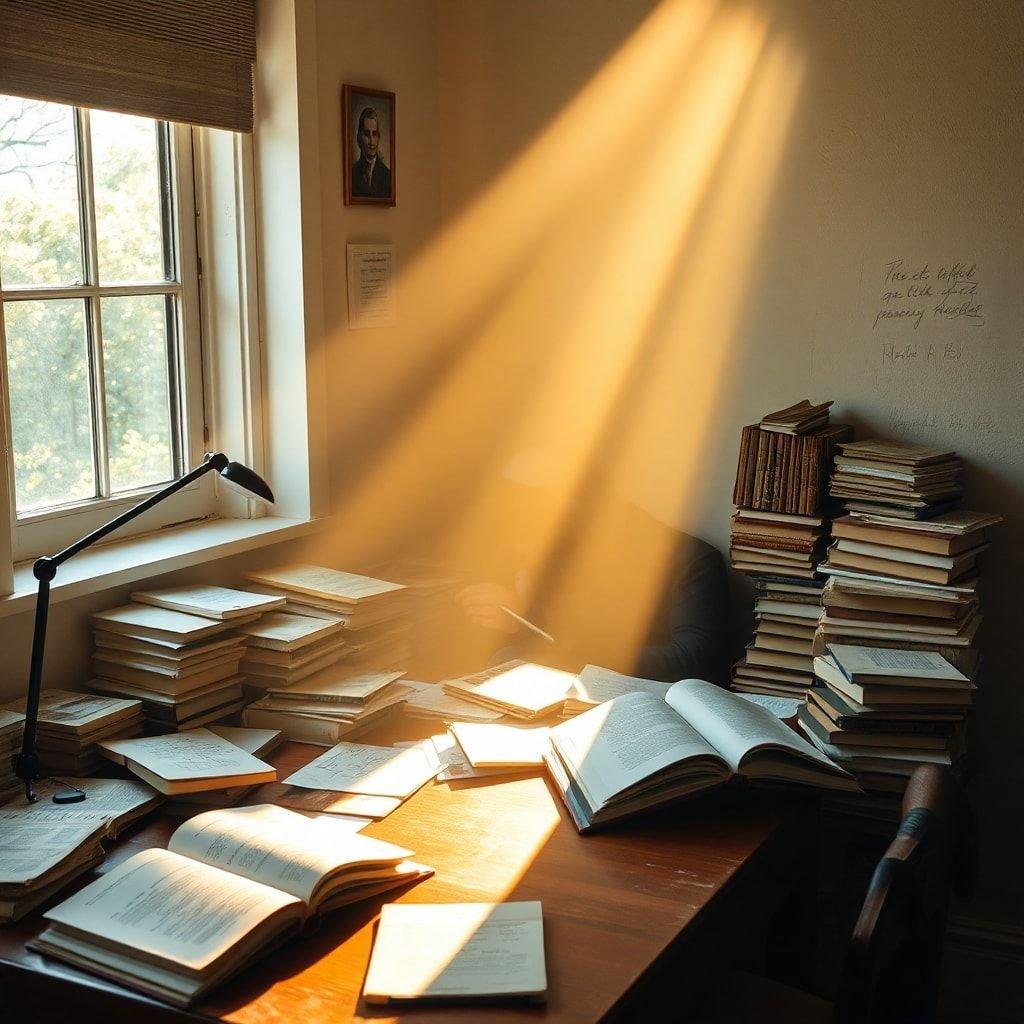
x,y
371,286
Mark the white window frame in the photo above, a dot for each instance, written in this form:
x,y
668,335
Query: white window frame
x,y
50,529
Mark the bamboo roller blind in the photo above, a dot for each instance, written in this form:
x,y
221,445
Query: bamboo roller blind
x,y
179,60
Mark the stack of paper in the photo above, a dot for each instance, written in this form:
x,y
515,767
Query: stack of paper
x,y
430,701
374,613
907,481
881,712
522,690
282,648
189,762
71,725
457,951
11,727
334,702
44,845
183,667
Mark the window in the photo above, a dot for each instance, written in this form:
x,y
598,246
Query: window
x,y
99,316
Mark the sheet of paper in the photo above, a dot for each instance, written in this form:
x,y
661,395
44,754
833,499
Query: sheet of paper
x,y
195,754
322,582
457,949
322,801
781,707
360,768
252,741
490,746
167,906
206,600
278,847
595,685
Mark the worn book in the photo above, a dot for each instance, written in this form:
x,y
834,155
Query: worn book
x,y
188,762
638,752
210,602
502,746
281,631
886,694
231,885
457,952
330,584
149,622
521,690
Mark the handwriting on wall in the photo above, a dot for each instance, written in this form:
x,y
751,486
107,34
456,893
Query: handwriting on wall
x,y
929,293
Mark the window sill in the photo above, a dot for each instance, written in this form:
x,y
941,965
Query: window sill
x,y
128,561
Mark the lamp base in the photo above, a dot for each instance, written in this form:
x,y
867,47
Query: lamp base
x,y
26,767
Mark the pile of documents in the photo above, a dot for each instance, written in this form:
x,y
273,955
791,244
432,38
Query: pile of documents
x,y
11,725
907,481
44,845
880,713
282,648
374,614
182,666
333,703
71,724
518,689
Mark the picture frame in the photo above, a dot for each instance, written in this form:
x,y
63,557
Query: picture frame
x,y
368,148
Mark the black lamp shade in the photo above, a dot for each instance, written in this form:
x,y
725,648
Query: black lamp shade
x,y
244,480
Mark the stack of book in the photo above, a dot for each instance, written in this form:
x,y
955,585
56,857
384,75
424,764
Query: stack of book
x,y
70,726
880,713
11,726
281,649
906,481
184,668
334,703
906,584
519,689
778,536
374,614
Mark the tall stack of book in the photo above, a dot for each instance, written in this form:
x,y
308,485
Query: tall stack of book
x,y
374,614
70,726
334,703
281,649
902,577
880,713
184,668
778,536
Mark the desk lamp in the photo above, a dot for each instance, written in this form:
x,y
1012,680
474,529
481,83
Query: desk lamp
x,y
26,764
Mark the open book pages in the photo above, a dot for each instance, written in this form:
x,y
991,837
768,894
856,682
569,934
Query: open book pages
x,y
175,922
373,771
429,700
332,584
524,691
210,602
502,746
595,685
188,762
636,752
457,951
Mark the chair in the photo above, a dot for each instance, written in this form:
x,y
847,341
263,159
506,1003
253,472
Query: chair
x,y
891,970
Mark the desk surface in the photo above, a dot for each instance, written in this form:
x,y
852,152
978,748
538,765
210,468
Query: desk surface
x,y
615,904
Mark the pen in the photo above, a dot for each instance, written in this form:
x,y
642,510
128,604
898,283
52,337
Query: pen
x,y
529,625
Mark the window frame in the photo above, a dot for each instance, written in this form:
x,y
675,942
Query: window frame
x,y
50,529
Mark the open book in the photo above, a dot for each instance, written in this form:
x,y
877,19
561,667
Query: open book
x,y
175,922
637,752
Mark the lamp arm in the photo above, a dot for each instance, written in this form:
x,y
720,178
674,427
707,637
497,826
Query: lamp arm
x,y
216,461
26,764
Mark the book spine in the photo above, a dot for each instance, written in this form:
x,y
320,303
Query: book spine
x,y
760,469
745,455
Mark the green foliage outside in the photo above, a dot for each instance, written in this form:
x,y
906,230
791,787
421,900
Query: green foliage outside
x,y
47,355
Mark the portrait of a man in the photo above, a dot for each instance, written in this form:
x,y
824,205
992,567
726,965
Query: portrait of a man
x,y
369,131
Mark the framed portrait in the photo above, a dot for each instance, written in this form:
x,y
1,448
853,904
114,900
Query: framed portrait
x,y
368,132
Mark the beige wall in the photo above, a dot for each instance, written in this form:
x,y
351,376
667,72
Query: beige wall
x,y
710,225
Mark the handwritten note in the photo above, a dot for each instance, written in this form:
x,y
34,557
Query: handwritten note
x,y
928,292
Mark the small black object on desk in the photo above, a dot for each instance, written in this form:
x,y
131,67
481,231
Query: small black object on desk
x,y
26,764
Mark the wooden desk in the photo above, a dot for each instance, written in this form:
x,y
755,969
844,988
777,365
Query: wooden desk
x,y
620,909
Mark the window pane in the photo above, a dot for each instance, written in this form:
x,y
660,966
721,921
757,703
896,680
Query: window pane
x,y
126,185
51,414
135,371
40,240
